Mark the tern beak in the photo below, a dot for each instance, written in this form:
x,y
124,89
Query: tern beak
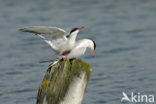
x,y
80,28
92,52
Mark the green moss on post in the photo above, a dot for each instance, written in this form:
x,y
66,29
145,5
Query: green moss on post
x,y
64,83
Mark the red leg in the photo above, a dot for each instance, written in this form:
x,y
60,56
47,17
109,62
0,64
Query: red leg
x,y
63,56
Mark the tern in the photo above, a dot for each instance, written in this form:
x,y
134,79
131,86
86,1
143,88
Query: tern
x,y
80,48
61,41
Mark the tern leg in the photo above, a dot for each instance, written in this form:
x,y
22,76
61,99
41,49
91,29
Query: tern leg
x,y
63,56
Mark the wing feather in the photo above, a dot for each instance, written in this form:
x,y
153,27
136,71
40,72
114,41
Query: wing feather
x,y
55,32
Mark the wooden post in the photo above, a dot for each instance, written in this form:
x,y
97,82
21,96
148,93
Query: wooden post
x,y
64,83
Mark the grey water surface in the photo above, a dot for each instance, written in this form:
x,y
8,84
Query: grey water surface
x,y
125,57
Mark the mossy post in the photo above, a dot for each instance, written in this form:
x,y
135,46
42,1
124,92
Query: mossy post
x,y
64,83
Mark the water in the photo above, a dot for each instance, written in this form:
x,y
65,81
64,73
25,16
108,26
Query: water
x,y
124,31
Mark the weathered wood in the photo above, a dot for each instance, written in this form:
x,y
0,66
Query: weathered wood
x,y
64,83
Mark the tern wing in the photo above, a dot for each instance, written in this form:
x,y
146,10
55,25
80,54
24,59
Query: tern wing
x,y
79,49
58,45
76,52
49,42
55,32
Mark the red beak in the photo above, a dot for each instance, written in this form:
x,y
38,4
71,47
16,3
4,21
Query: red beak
x,y
80,28
92,52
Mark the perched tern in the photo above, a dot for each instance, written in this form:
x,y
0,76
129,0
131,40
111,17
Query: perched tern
x,y
80,48
61,41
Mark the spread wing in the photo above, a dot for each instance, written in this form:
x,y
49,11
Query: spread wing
x,y
55,32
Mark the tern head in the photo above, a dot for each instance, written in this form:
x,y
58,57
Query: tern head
x,y
76,30
91,44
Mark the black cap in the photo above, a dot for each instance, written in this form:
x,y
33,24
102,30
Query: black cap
x,y
94,44
74,29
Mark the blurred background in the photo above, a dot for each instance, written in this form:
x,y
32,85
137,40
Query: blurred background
x,y
125,57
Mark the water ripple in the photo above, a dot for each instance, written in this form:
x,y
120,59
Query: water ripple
x,y
118,50
124,31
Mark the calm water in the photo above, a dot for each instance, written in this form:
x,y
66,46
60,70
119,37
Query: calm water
x,y
124,30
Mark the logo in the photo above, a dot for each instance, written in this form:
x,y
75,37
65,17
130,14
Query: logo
x,y
137,97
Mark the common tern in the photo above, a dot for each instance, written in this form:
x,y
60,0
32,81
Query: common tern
x,y
61,41
80,48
